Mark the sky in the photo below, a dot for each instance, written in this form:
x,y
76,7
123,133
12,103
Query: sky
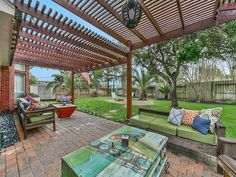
x,y
44,74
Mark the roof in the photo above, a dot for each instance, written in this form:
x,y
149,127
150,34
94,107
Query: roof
x,y
49,39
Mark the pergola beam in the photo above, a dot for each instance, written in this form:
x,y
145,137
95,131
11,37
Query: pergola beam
x,y
150,17
49,59
81,13
228,6
35,61
204,24
180,13
118,17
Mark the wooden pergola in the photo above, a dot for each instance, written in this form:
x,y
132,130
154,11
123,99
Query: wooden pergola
x,y
49,39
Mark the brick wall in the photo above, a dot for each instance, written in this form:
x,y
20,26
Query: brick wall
x,y
7,88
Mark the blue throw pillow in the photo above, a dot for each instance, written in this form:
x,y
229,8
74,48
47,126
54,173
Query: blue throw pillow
x,y
201,125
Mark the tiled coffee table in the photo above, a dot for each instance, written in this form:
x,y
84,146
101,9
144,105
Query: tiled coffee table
x,y
145,156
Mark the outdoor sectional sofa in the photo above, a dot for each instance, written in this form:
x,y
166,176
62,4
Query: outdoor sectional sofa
x,y
182,136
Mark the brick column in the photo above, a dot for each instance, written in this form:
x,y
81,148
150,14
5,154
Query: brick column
x,y
7,88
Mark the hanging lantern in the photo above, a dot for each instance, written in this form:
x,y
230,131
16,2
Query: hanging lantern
x,y
131,13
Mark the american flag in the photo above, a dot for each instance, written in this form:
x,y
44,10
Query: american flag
x,y
86,77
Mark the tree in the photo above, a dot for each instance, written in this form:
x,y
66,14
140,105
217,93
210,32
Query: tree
x,y
165,60
63,82
165,90
32,79
143,80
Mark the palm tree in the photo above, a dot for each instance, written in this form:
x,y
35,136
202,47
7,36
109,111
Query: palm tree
x,y
142,79
165,90
32,79
63,82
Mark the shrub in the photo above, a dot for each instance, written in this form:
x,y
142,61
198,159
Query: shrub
x,y
31,94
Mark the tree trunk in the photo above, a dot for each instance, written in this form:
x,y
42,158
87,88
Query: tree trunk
x,y
166,96
143,95
174,100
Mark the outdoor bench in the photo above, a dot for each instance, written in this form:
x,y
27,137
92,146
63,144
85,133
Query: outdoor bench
x,y
182,136
36,118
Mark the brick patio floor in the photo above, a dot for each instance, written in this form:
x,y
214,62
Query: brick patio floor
x,y
40,155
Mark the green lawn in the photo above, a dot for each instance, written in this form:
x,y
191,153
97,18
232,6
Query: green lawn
x,y
117,112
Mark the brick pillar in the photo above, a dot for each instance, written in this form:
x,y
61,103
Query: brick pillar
x,y
27,85
7,88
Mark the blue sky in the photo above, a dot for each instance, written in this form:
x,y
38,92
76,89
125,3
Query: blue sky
x,y
45,74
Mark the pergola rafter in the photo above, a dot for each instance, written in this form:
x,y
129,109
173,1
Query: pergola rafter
x,y
69,39
68,59
61,46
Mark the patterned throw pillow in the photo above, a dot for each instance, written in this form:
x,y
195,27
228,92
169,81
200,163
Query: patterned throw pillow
x,y
21,100
25,104
34,103
211,114
176,116
28,98
189,116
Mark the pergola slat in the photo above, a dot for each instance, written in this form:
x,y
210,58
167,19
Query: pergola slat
x,y
82,14
63,25
118,17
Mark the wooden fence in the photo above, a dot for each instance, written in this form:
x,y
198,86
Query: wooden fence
x,y
215,91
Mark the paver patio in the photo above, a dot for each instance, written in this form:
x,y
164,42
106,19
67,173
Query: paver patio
x,y
40,155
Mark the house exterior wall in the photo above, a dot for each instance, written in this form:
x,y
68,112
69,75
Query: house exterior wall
x,y
7,86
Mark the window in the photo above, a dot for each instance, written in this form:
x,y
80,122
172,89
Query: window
x,y
19,67
19,85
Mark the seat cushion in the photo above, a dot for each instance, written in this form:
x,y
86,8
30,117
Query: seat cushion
x,y
141,120
189,133
42,117
162,125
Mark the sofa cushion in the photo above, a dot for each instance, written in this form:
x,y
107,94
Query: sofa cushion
x,y
42,117
189,116
162,125
201,125
141,120
213,115
176,116
189,133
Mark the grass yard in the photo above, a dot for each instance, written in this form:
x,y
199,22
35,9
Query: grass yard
x,y
117,112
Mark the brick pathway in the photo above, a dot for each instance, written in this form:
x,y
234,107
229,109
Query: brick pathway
x,y
40,155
